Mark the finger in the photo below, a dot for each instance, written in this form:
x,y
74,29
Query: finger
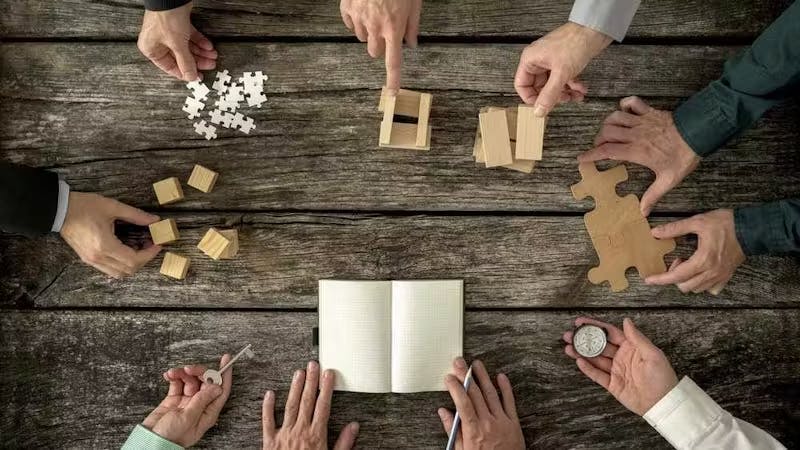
x,y
695,283
635,336
476,397
613,133
706,285
215,408
167,64
200,401
205,63
348,21
394,62
460,369
615,335
347,438
463,401
200,40
525,79
186,62
577,86
118,268
717,289
653,194
549,95
675,229
309,397
412,27
635,105
598,376
509,404
361,31
129,259
175,386
191,384
293,401
487,388
322,411
608,150
376,46
683,272
108,269
623,119
132,215
601,362
675,263
268,417
195,370
447,419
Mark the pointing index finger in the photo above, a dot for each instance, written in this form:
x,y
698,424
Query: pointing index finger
x,y
394,62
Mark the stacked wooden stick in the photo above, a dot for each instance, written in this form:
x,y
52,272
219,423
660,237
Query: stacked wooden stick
x,y
509,137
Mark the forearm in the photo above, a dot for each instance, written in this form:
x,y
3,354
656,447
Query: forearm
x,y
162,5
689,419
32,201
610,17
769,228
752,82
143,439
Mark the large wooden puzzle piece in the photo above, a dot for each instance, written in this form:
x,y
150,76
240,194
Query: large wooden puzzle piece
x,y
620,233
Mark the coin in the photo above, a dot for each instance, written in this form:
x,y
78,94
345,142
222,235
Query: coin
x,y
589,340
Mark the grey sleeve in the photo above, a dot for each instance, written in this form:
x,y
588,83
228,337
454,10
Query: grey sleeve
x,y
63,205
610,17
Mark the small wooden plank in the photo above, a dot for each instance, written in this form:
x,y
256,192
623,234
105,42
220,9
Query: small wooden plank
x,y
526,261
404,136
530,134
423,132
406,102
123,354
496,141
388,120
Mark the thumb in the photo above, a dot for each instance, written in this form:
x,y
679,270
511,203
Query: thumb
x,y
186,62
550,93
133,215
674,229
634,335
653,194
200,401
347,438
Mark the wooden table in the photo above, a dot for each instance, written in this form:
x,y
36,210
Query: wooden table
x,y
313,197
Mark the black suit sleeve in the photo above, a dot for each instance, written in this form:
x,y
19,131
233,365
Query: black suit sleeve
x,y
28,199
163,5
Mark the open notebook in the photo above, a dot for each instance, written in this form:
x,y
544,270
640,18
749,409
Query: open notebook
x,y
390,336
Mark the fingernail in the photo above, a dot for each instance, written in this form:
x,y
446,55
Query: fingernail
x,y
539,111
312,365
460,363
270,395
327,374
440,411
354,427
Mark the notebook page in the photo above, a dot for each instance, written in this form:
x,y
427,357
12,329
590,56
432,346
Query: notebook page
x,y
355,333
427,333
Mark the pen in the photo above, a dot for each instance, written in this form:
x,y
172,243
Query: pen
x,y
451,441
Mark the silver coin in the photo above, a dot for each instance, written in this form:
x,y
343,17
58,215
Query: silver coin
x,y
589,340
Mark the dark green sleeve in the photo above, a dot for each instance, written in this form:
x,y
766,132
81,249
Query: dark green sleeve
x,y
751,83
769,228
162,5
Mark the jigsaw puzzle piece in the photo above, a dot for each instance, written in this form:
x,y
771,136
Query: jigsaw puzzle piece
x,y
204,129
602,186
222,82
192,107
199,90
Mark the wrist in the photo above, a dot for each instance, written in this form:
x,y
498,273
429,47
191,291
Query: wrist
x,y
593,41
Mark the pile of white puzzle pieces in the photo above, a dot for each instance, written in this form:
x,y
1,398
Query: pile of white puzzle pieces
x,y
231,93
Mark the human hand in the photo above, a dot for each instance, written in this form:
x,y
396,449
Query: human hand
x,y
631,368
549,67
383,24
305,420
486,422
646,136
89,229
174,45
717,256
191,406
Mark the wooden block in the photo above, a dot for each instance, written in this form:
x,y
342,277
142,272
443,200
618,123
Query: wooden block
x,y
233,249
388,120
520,165
406,103
202,178
214,243
404,135
496,141
168,191
174,265
164,231
422,123
530,134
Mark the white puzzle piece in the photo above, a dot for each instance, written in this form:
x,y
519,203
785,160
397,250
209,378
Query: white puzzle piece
x,y
192,107
199,90
205,130
222,82
243,123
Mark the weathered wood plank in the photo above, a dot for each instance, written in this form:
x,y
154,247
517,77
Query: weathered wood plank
x,y
108,127
309,18
84,379
505,262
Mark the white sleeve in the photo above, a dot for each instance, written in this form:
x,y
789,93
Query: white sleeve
x,y
610,17
689,419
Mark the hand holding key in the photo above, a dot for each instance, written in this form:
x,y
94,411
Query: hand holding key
x,y
191,406
215,376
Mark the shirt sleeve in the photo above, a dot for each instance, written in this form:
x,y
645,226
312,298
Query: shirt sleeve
x,y
751,83
62,207
163,5
143,439
769,228
29,199
610,17
689,419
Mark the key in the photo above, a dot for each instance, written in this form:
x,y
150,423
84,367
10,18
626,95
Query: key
x,y
215,376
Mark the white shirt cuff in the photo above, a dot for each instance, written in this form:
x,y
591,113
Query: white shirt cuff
x,y
63,205
610,17
684,415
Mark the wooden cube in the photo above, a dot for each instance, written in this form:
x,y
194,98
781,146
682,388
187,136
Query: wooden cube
x,y
168,191
175,266
202,178
164,231
233,249
214,244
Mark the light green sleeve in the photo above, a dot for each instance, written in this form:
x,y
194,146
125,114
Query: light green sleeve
x,y
143,439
